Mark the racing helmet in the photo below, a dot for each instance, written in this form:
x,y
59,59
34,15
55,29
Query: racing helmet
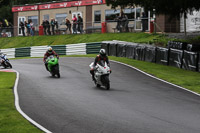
x,y
102,52
49,50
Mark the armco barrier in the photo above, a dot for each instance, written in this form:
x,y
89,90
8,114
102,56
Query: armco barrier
x,y
175,58
76,49
9,52
162,55
93,48
190,60
38,51
23,52
60,49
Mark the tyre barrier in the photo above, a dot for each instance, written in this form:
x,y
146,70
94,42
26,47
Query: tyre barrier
x,y
177,54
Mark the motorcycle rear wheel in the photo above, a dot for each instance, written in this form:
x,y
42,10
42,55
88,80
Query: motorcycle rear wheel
x,y
107,82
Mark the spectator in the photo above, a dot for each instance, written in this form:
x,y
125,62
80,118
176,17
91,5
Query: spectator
x,y
48,27
44,27
32,30
144,22
56,24
74,20
22,26
80,24
69,25
125,22
118,26
28,27
53,26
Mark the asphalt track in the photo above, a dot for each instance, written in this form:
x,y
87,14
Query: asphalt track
x,y
136,103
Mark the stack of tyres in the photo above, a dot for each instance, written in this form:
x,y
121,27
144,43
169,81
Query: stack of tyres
x,y
175,58
113,48
190,60
131,50
150,53
162,55
121,49
140,52
105,45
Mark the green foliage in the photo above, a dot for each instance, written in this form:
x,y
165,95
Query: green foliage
x,y
169,7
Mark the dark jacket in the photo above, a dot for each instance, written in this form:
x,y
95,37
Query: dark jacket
x,y
99,58
46,55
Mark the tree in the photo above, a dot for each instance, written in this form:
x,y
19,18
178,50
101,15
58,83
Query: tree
x,y
173,8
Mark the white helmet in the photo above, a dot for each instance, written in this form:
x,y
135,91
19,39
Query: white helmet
x,y
49,50
102,52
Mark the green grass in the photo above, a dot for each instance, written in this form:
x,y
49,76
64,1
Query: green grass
x,y
10,120
16,42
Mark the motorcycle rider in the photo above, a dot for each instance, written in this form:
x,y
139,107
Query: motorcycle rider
x,y
102,56
48,53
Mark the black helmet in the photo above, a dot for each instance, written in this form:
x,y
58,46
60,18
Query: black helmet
x,y
102,52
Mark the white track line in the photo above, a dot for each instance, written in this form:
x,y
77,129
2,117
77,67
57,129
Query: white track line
x,y
19,109
156,77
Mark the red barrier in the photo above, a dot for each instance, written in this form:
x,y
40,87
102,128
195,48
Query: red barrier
x,y
151,27
103,27
41,30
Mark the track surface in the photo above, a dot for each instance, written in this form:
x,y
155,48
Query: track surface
x,y
72,104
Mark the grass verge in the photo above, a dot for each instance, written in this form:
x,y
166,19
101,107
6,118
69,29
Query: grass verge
x,y
10,120
16,42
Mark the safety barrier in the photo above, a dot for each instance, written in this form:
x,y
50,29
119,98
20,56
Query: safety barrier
x,y
39,51
177,54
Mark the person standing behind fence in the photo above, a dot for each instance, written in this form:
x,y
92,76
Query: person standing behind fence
x,y
44,27
118,26
80,24
53,26
125,22
22,26
69,25
28,26
56,24
74,20
48,27
32,28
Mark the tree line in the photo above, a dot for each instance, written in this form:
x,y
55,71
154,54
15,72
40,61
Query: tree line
x,y
173,8
6,7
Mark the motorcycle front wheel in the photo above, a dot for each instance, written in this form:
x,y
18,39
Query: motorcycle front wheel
x,y
8,63
106,82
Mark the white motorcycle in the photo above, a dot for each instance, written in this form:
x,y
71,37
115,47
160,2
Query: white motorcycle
x,y
101,74
5,61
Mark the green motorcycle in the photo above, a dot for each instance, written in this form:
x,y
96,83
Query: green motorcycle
x,y
53,66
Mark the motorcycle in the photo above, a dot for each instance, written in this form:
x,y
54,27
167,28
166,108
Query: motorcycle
x,y
5,61
101,74
53,66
